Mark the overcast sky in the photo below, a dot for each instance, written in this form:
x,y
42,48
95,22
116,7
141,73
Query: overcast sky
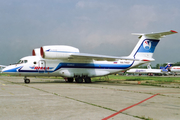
x,y
93,26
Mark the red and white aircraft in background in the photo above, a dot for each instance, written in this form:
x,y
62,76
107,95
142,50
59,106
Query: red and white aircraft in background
x,y
175,70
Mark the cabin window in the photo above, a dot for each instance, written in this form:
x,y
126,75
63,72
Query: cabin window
x,y
34,62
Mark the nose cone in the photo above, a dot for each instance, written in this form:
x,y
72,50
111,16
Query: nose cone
x,y
10,69
6,70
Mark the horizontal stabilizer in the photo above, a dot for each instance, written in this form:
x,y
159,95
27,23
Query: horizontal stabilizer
x,y
156,35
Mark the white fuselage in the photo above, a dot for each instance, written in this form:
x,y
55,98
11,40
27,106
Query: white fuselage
x,y
38,66
140,71
175,69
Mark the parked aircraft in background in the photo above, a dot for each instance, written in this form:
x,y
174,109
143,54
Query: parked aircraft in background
x,y
68,62
150,71
175,70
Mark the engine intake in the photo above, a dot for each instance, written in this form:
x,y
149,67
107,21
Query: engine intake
x,y
36,52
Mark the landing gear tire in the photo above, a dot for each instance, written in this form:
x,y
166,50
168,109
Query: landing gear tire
x,y
70,80
27,81
79,80
87,80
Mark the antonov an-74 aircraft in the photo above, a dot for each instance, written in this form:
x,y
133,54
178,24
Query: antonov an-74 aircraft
x,y
69,63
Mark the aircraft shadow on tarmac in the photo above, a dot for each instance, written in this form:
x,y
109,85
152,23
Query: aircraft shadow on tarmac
x,y
51,82
44,81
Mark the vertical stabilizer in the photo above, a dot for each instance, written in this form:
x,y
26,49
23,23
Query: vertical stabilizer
x,y
145,48
167,67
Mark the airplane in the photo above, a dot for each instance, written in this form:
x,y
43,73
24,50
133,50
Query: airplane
x,y
175,70
163,70
69,63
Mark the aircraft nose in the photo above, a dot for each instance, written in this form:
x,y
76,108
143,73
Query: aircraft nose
x,y
11,69
5,70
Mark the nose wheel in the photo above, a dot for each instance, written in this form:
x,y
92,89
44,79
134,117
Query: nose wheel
x,y
26,80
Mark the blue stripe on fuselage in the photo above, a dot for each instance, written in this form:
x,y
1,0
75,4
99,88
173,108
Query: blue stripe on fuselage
x,y
35,71
92,66
81,65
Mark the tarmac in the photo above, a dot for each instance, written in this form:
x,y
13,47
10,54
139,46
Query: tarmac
x,y
54,99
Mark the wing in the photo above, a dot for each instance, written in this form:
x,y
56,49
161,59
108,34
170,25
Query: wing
x,y
98,57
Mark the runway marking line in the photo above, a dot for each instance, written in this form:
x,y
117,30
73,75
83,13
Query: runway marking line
x,y
129,107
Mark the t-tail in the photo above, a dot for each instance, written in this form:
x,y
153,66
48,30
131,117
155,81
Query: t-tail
x,y
145,48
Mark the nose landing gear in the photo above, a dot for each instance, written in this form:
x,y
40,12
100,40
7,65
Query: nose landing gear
x,y
26,80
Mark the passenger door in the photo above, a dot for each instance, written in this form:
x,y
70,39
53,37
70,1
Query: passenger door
x,y
42,66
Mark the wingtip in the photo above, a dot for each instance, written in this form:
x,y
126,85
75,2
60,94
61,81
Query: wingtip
x,y
174,31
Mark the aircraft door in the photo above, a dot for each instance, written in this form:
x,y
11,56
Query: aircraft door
x,y
42,66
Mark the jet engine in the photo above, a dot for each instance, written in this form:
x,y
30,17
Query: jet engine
x,y
36,52
57,51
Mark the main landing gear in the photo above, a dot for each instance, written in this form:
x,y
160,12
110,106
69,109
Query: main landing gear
x,y
77,79
80,79
26,80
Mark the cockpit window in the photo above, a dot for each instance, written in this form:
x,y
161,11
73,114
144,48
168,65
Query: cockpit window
x,y
22,61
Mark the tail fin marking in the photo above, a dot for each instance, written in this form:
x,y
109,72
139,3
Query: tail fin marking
x,y
147,44
167,67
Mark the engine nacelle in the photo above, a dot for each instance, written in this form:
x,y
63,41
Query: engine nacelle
x,y
36,52
57,51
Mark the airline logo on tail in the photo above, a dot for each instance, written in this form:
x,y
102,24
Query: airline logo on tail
x,y
167,67
147,44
